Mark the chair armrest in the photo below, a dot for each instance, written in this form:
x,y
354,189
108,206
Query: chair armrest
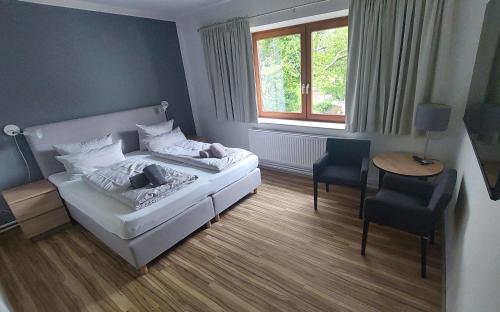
x,y
319,165
365,164
409,185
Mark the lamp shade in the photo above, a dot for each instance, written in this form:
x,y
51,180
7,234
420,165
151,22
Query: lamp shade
x,y
432,117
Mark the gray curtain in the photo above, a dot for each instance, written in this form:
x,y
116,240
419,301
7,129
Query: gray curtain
x,y
229,60
392,54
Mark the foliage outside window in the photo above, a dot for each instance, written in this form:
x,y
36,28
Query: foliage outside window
x,y
301,71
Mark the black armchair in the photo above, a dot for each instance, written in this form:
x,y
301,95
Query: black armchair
x,y
410,205
345,162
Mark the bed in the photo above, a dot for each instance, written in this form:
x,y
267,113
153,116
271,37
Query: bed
x,y
142,235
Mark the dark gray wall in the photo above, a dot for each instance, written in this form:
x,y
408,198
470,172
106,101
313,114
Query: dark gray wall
x,y
58,64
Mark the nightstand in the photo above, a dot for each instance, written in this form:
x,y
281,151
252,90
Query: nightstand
x,y
37,207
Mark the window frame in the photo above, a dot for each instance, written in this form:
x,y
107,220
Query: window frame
x,y
305,31
274,33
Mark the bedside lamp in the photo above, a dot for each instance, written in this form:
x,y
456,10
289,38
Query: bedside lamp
x,y
14,131
432,117
163,108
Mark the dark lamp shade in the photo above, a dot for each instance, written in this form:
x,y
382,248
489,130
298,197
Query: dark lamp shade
x,y
432,117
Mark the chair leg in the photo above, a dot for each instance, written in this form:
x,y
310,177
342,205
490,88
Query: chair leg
x,y
423,245
362,203
327,186
365,237
433,233
315,195
381,174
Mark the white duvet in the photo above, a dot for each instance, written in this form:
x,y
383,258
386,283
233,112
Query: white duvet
x,y
188,152
115,182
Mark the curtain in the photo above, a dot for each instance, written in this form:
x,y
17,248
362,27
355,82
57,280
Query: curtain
x,y
392,55
229,60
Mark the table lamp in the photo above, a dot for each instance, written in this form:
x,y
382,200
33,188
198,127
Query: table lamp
x,y
432,117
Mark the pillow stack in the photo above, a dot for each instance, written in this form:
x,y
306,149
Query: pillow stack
x,y
83,146
87,156
157,136
164,140
146,132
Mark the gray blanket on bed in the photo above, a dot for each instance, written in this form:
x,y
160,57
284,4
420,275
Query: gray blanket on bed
x,y
188,152
114,181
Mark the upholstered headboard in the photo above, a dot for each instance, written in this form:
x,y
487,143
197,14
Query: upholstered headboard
x,y
121,125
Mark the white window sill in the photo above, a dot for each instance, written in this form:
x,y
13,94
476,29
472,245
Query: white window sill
x,y
302,123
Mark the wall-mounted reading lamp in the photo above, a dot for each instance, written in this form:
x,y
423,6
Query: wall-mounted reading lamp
x,y
164,106
14,131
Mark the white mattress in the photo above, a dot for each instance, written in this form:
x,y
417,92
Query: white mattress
x,y
126,223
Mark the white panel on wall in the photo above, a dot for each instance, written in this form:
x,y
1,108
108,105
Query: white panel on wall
x,y
287,150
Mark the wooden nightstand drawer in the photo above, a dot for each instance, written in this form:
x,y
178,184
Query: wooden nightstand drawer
x,y
44,222
36,206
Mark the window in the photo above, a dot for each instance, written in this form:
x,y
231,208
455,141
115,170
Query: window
x,y
301,71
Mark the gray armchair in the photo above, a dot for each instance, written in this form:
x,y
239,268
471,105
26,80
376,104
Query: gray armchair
x,y
345,162
410,205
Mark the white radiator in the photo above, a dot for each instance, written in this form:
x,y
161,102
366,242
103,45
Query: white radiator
x,y
286,150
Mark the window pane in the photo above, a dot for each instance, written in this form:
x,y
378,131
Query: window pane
x,y
329,70
280,69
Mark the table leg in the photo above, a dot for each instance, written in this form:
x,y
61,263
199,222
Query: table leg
x,y
381,174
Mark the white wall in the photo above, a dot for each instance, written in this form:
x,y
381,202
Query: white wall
x,y
236,134
472,241
471,229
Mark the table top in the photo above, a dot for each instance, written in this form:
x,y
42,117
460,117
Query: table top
x,y
403,164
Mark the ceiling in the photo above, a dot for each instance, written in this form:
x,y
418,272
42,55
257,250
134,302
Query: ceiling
x,y
172,7
160,9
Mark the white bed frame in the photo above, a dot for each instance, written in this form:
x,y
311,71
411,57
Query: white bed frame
x,y
140,250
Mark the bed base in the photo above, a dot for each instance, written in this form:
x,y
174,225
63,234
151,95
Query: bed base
x,y
145,270
139,251
231,194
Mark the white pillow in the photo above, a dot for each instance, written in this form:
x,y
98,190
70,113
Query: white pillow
x,y
83,146
90,161
164,140
153,130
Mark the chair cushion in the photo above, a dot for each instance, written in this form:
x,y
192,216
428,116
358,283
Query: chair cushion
x,y
343,175
401,211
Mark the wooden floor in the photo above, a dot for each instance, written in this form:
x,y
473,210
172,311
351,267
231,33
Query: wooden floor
x,y
271,252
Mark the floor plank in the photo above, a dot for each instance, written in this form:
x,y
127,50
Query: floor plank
x,y
270,252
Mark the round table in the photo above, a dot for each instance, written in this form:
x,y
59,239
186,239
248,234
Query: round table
x,y
403,164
